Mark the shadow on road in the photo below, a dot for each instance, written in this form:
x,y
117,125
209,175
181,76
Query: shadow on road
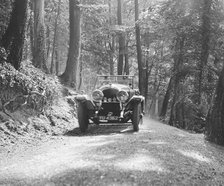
x,y
103,129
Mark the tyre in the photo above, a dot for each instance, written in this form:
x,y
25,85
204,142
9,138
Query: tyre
x,y
83,119
136,116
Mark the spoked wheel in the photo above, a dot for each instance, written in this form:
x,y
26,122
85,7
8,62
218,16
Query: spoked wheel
x,y
82,117
136,117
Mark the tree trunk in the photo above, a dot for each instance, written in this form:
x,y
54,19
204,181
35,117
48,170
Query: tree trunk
x,y
31,29
111,44
55,37
166,100
70,76
156,105
155,91
176,118
215,120
141,71
48,42
120,63
205,37
80,73
39,55
13,39
148,69
57,61
111,65
126,57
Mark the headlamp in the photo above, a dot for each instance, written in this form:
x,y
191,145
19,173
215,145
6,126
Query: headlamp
x,y
122,96
97,95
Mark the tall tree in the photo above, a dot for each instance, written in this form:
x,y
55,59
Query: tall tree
x,y
177,110
205,38
39,50
141,72
13,39
54,47
126,64
112,43
166,100
70,76
214,127
5,12
120,63
215,118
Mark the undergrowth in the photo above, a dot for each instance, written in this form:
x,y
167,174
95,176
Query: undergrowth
x,y
26,80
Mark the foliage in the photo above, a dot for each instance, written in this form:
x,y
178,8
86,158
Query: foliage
x,y
164,25
5,10
95,36
62,30
26,80
40,80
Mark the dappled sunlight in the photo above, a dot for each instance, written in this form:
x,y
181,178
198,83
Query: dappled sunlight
x,y
97,144
129,129
42,165
103,157
87,139
157,143
195,155
150,142
60,160
181,135
140,162
117,135
100,137
142,130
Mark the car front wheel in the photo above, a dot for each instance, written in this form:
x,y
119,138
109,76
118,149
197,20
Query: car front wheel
x,y
136,117
83,119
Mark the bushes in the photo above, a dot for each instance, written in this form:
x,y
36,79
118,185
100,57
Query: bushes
x,y
25,81
31,104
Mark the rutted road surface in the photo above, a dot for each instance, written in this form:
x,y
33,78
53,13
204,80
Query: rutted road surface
x,y
113,155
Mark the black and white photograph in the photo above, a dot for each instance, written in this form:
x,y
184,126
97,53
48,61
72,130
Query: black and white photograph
x,y
111,92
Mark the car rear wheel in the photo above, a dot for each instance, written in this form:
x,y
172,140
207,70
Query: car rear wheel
x,y
82,117
136,117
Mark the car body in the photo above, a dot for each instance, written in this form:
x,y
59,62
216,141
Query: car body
x,y
113,100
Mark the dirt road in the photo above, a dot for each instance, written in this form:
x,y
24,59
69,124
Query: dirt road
x,y
113,155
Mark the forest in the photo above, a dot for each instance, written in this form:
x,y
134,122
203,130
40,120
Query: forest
x,y
174,48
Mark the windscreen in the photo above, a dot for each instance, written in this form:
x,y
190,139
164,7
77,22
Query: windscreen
x,y
119,79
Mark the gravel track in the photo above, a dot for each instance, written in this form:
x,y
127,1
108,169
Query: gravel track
x,y
113,155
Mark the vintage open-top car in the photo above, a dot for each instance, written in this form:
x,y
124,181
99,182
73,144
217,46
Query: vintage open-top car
x,y
113,100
